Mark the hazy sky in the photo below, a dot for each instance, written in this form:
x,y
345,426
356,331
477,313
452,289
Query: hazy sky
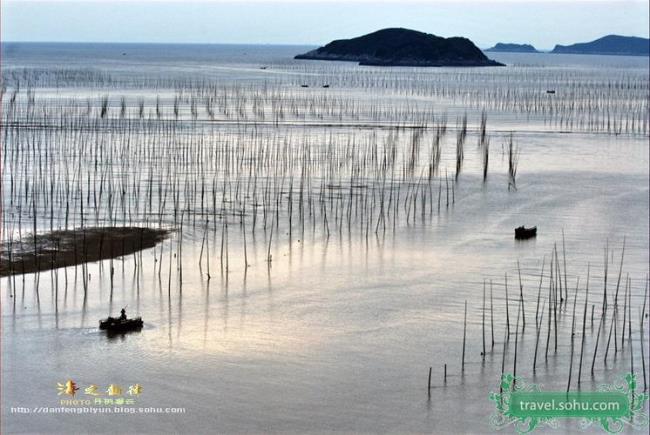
x,y
542,23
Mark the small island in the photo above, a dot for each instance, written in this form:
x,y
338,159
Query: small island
x,y
513,48
610,44
403,47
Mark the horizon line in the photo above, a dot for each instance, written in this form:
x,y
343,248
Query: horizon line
x,y
292,44
156,43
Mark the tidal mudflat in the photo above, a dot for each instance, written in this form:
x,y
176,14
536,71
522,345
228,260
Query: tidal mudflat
x,y
334,231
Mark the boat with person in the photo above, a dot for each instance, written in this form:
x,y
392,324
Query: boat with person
x,y
121,324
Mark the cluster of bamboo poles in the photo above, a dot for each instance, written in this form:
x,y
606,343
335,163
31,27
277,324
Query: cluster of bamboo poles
x,y
610,101
92,165
601,334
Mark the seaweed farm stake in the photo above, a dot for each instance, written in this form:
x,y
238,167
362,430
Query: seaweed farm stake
x,y
584,324
464,336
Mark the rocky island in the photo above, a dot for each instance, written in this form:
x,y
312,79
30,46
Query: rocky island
x,y
513,48
402,47
610,44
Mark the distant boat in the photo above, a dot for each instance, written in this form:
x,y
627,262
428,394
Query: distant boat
x,y
326,86
263,67
115,324
550,91
304,86
522,233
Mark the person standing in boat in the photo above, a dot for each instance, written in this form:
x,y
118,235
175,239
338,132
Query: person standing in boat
x,y
123,314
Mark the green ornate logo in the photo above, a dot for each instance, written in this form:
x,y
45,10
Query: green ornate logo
x,y
613,407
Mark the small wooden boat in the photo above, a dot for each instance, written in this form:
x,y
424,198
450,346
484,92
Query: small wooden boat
x,y
522,233
304,86
326,86
116,324
550,91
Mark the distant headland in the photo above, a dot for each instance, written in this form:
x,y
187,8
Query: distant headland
x,y
403,47
610,44
513,48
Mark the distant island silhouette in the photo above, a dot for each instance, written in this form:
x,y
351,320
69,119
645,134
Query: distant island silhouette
x,y
610,44
513,48
403,47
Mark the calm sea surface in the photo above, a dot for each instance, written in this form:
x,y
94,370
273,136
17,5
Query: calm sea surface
x,y
338,333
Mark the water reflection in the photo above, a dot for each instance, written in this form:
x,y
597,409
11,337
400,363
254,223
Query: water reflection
x,y
121,336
